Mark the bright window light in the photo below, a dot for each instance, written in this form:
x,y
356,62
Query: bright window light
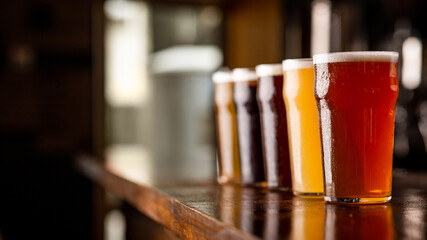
x,y
320,26
411,62
126,52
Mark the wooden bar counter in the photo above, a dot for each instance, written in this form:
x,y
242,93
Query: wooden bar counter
x,y
206,210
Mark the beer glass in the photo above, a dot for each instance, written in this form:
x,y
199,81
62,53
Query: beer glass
x,y
248,127
356,95
226,128
303,126
273,126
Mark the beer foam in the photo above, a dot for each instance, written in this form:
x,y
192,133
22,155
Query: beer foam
x,y
298,63
222,76
368,56
244,74
265,70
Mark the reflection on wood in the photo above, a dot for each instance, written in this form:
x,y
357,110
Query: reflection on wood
x,y
252,215
359,222
206,210
229,209
185,221
278,219
308,218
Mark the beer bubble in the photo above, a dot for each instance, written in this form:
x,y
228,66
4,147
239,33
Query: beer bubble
x,y
326,134
322,81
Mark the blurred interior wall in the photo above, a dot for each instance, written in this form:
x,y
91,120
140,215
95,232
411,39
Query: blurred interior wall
x,y
254,32
45,118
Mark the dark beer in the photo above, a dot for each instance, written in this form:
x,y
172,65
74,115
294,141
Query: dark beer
x,y
226,129
248,126
356,96
273,126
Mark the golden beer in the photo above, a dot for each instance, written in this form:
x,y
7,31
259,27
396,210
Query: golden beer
x,y
226,129
303,127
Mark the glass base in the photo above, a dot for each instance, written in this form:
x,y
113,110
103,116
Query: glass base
x,y
308,194
279,188
229,182
255,185
358,200
225,180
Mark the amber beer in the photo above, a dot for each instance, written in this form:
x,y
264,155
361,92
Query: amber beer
x,y
303,126
226,128
248,127
273,126
356,95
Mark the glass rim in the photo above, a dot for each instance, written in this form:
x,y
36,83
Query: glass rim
x,y
356,56
222,76
297,63
269,69
244,75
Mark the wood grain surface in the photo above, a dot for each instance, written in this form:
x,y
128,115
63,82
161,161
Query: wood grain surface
x,y
206,210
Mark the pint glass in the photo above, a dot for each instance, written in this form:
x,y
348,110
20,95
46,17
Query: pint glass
x,y
226,128
273,126
356,95
248,127
303,125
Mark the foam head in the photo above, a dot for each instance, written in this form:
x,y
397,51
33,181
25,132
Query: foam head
x,y
266,70
222,76
299,63
244,74
367,56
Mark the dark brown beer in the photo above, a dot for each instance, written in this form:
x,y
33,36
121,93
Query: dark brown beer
x,y
226,129
273,126
248,126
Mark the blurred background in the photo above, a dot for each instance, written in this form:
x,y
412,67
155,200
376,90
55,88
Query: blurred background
x,y
129,82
